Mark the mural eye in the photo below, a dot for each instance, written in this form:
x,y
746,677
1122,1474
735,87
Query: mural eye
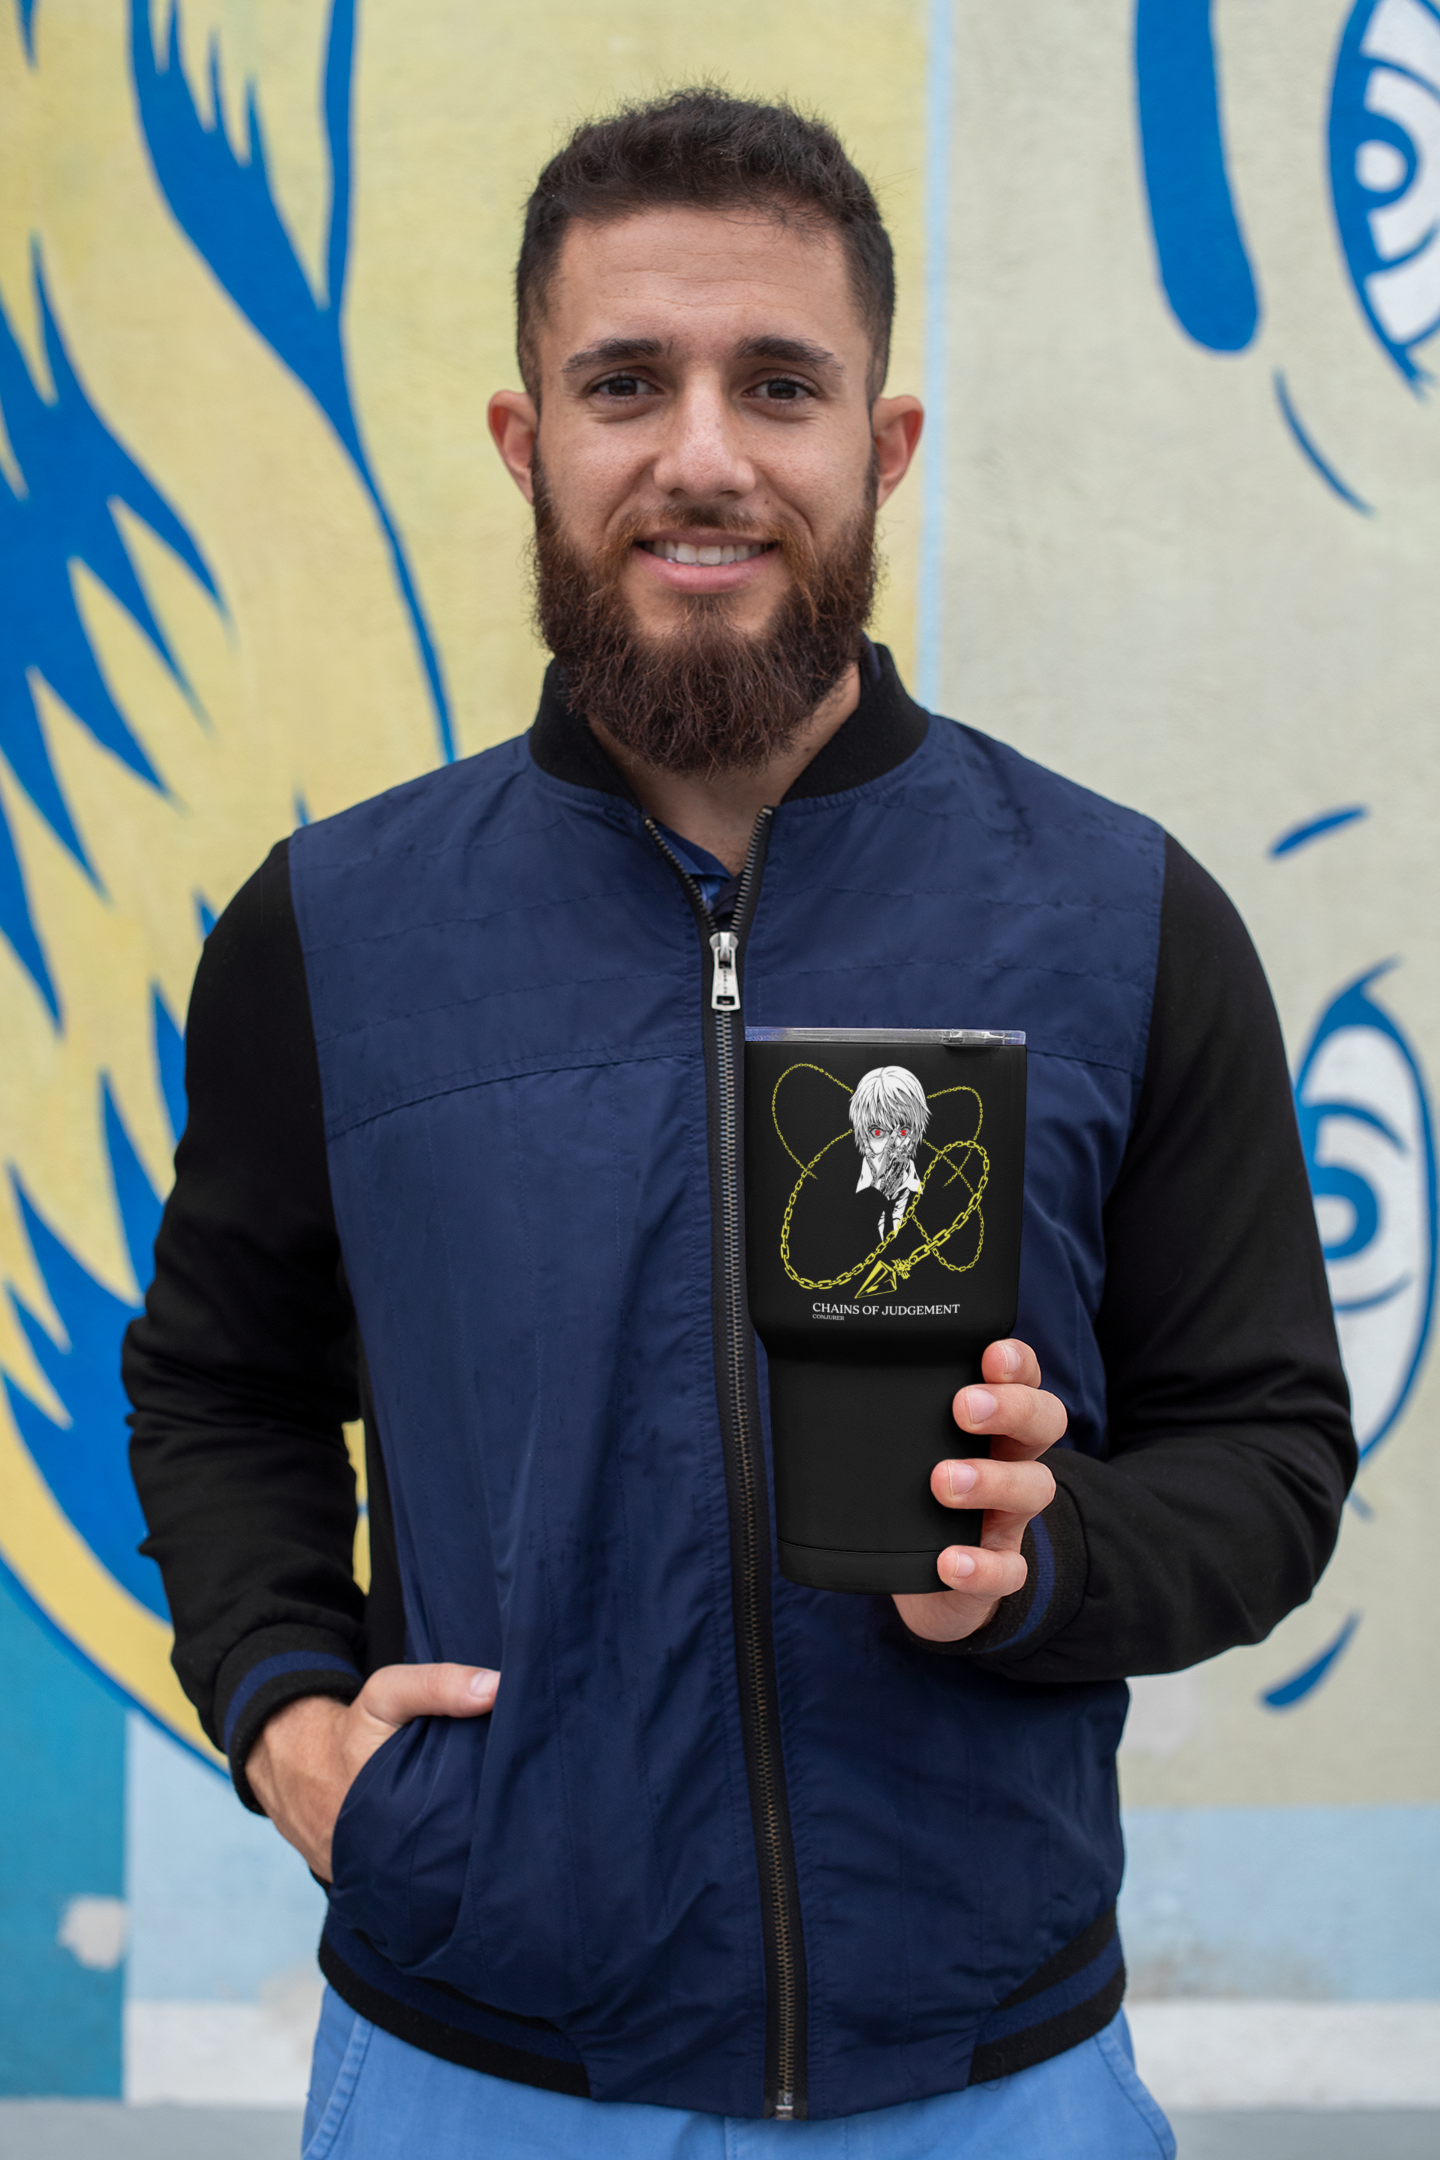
x,y
1384,174
875,1132
904,1132
1365,1123
1380,168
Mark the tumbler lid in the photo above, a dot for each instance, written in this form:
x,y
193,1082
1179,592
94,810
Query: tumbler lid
x,y
953,1038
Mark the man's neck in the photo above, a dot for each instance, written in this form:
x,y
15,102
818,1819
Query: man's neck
x,y
717,811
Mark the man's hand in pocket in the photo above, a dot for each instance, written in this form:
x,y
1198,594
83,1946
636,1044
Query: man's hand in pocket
x,y
309,1754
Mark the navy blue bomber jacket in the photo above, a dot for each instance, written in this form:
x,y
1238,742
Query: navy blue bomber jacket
x,y
462,1153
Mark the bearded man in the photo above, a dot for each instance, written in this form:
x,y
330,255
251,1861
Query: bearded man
x,y
464,1157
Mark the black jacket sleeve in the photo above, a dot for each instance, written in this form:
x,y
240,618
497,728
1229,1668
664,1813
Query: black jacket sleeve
x,y
1229,1449
242,1369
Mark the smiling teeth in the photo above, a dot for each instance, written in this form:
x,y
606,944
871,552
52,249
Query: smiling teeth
x,y
708,558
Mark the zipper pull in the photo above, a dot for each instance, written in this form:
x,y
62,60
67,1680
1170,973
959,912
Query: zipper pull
x,y
725,989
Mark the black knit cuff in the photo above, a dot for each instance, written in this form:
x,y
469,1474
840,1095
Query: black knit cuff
x,y
1056,1568
269,1669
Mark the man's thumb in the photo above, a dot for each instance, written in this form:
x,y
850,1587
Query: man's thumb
x,y
397,1693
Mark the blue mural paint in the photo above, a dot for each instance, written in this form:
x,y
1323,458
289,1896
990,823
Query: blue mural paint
x,y
1303,1683
338,102
1384,144
219,1905
170,1068
1310,829
86,1464
25,9
17,925
206,914
1327,1904
138,1204
74,470
1203,263
1305,443
1365,1125
61,1836
1388,1244
227,208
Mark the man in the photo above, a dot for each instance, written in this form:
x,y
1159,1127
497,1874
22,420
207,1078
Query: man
x,y
720,1853
888,1115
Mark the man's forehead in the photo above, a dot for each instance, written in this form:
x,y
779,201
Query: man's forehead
x,y
667,276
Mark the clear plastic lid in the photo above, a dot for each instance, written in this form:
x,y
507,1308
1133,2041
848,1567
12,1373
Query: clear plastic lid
x,y
952,1038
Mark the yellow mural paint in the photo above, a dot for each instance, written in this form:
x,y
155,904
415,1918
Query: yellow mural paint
x,y
306,589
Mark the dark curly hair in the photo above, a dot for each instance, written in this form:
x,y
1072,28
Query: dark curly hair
x,y
703,149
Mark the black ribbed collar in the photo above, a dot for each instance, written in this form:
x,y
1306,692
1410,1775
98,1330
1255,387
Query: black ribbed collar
x,y
886,727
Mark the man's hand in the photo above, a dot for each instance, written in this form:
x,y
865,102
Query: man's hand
x,y
309,1754
1021,1421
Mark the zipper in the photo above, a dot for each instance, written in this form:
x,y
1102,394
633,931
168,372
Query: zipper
x,y
739,1398
725,981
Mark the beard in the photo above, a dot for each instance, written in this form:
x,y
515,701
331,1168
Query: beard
x,y
705,697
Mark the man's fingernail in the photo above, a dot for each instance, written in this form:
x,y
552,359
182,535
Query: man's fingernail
x,y
1009,1357
962,1565
962,1477
482,1682
979,1405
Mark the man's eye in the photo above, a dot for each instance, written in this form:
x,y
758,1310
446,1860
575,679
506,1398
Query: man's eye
x,y
622,386
784,390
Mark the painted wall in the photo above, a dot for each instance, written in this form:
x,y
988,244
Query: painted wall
x,y
1187,540
1169,278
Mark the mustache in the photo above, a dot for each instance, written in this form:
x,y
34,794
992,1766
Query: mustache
x,y
788,536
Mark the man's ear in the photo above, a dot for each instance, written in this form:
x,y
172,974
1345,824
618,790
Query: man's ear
x,y
895,424
514,423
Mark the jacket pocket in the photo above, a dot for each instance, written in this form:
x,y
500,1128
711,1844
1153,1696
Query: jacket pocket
x,y
402,1841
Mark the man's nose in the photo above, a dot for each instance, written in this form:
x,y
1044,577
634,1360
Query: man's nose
x,y
703,454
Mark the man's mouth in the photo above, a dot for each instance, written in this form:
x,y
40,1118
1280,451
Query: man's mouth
x,y
706,557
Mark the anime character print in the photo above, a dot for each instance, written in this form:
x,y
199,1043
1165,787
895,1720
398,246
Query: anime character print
x,y
920,1155
888,1115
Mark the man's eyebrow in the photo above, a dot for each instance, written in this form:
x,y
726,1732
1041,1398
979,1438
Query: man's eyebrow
x,y
797,352
787,351
611,351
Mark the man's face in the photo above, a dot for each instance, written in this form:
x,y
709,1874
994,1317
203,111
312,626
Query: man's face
x,y
705,467
703,363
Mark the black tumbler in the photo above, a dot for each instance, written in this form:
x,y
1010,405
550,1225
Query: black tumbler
x,y
884,1176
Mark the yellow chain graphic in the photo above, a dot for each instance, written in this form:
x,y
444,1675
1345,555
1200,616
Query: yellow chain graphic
x,y
958,1156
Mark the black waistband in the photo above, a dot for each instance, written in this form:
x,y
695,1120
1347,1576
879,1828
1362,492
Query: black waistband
x,y
1072,1996
441,2021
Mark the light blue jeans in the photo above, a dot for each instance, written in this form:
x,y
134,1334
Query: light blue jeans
x,y
374,2098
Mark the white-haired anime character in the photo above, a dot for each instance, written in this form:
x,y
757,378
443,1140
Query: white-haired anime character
x,y
889,1114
